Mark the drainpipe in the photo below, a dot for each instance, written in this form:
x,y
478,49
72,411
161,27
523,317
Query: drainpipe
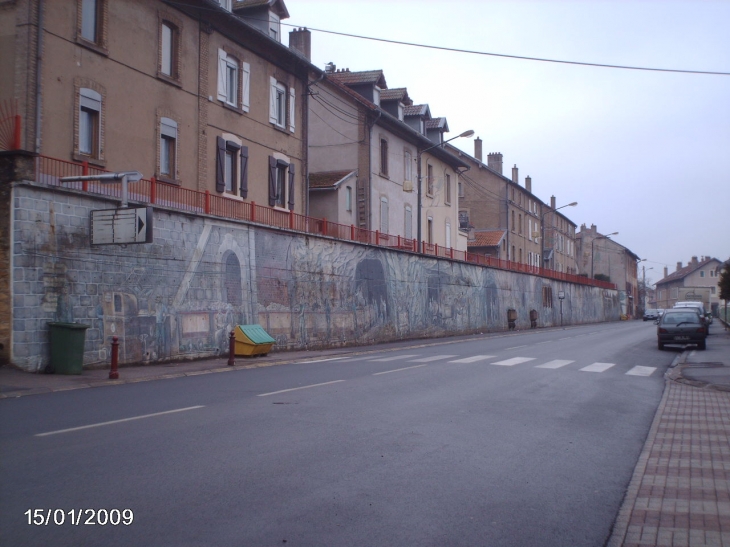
x,y
38,74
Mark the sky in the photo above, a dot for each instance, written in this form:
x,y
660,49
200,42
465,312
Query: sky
x,y
644,153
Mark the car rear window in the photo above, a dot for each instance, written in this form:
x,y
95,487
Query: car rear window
x,y
676,318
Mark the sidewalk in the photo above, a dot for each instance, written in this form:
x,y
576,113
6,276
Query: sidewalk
x,y
680,492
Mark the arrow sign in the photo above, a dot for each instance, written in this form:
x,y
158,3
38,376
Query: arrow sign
x,y
121,226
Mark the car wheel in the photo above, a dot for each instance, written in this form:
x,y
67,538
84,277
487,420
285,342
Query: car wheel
x,y
702,345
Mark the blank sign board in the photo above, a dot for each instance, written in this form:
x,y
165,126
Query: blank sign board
x,y
121,226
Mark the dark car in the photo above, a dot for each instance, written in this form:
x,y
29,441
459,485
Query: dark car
x,y
681,327
651,315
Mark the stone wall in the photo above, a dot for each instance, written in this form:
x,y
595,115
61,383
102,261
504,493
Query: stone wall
x,y
179,297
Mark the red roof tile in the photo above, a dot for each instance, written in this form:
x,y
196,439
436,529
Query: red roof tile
x,y
374,77
327,179
490,238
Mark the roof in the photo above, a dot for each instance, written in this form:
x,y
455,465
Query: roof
x,y
491,238
277,6
688,269
417,110
396,94
328,179
437,123
373,77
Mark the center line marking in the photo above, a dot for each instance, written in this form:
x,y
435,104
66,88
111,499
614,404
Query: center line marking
x,y
298,388
117,421
398,370
518,347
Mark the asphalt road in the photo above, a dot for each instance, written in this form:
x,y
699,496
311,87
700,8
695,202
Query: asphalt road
x,y
524,439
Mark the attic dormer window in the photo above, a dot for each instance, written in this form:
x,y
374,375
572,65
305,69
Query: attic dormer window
x,y
274,26
226,4
376,95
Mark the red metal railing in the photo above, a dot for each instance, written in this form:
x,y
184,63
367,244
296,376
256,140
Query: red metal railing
x,y
50,171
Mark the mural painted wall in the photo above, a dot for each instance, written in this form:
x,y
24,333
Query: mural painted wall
x,y
180,296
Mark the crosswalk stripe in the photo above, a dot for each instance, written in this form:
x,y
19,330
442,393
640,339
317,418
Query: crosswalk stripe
x,y
641,371
473,359
432,358
598,367
393,358
514,361
397,370
557,363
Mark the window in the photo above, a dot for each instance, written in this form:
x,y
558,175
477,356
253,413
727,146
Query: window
x,y
408,222
429,179
448,189
274,26
513,221
407,165
384,157
520,261
169,50
529,228
712,273
519,225
429,230
89,123
348,198
512,255
278,104
90,19
281,187
168,148
464,220
226,4
384,215
702,273
461,189
231,168
712,290
448,234
547,297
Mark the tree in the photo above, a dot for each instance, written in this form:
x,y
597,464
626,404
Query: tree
x,y
724,282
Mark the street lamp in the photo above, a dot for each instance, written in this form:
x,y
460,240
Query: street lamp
x,y
643,286
608,236
468,133
542,226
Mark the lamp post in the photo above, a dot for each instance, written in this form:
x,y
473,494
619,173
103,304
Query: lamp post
x,y
542,226
608,236
468,133
643,287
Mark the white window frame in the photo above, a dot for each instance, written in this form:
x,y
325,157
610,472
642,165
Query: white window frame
x,y
90,20
278,105
447,183
274,26
89,122
282,180
407,166
167,45
384,214
448,234
408,231
348,198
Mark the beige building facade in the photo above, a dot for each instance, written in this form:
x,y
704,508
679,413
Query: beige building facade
x,y
698,280
184,92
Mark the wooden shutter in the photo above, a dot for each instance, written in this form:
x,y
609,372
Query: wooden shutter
x,y
272,100
246,91
292,109
222,80
272,181
291,186
220,164
244,172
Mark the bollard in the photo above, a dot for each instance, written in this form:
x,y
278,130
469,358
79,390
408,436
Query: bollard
x,y
232,349
113,372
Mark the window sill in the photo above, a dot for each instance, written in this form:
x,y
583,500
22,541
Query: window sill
x,y
91,161
230,107
101,50
281,129
169,79
230,196
167,180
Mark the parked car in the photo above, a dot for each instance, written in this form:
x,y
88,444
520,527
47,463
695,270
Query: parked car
x,y
700,306
681,326
651,315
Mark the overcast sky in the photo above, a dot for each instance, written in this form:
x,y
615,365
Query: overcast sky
x,y
644,153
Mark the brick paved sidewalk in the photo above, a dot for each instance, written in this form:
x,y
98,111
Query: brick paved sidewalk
x,y
680,492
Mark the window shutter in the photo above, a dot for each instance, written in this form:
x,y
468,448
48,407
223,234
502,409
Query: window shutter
x,y
246,91
272,181
222,80
291,186
244,172
272,100
292,109
220,163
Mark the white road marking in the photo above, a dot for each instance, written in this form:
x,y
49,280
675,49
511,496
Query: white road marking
x,y
393,358
298,388
117,421
517,347
641,371
398,370
555,364
473,359
598,367
319,360
514,361
432,358
566,338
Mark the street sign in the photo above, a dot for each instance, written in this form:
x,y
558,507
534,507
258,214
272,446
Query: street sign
x,y
121,226
561,295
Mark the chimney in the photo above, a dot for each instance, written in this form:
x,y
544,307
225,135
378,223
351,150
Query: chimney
x,y
515,175
679,266
300,40
330,68
552,205
666,271
528,184
694,261
494,161
478,148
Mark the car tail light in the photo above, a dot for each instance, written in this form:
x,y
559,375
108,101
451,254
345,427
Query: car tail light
x,y
701,329
662,331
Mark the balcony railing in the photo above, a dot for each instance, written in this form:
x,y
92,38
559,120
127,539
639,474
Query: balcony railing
x,y
50,170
